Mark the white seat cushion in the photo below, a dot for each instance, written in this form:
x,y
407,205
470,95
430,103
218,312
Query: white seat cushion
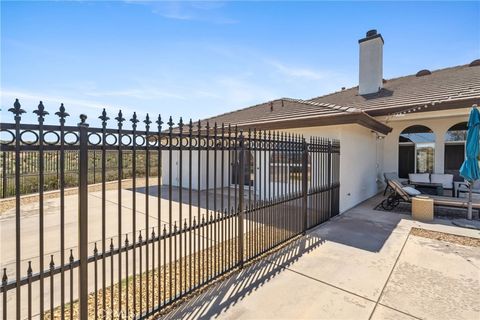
x,y
419,177
411,191
445,179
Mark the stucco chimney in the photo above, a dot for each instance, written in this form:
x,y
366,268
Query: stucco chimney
x,y
371,63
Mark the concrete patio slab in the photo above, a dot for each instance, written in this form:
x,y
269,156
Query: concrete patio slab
x,y
435,280
363,264
384,313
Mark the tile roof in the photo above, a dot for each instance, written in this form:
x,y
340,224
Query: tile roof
x,y
456,84
450,88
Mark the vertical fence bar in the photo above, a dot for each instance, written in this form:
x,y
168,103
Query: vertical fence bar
x,y
241,177
104,119
4,174
61,161
159,123
329,178
4,298
304,184
17,111
83,220
147,209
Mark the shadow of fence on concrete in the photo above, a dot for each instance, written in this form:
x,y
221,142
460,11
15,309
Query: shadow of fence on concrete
x,y
222,296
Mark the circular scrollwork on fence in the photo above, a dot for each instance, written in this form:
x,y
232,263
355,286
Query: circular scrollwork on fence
x,y
194,142
203,142
70,138
94,139
111,139
185,142
3,140
175,142
140,141
33,137
50,141
152,140
164,141
124,138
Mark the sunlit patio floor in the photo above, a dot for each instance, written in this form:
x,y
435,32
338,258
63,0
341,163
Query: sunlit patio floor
x,y
363,264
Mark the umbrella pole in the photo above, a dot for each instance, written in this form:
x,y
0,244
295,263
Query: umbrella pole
x,y
469,213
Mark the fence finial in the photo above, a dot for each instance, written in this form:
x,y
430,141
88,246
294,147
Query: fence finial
x,y
62,114
134,121
159,122
40,112
83,118
190,126
104,118
120,118
180,124
170,122
147,122
4,278
16,110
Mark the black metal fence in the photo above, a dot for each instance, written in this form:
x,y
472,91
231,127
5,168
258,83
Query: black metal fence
x,y
193,203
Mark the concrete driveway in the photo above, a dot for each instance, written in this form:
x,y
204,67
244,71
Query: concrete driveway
x,y
364,264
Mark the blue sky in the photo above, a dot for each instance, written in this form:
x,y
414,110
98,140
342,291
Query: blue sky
x,y
197,59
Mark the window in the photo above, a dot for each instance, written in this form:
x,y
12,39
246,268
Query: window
x,y
416,151
455,138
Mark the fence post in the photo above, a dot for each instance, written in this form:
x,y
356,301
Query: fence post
x,y
83,219
4,174
241,183
304,184
329,178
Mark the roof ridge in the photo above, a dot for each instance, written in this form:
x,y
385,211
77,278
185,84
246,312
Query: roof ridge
x,y
242,109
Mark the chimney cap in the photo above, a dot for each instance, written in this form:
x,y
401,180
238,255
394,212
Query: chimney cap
x,y
371,34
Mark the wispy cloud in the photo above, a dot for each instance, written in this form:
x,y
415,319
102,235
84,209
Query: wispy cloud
x,y
7,97
206,11
142,94
296,72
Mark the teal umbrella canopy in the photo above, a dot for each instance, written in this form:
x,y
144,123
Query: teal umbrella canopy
x,y
469,169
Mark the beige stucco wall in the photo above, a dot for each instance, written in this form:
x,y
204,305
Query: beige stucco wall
x,y
438,121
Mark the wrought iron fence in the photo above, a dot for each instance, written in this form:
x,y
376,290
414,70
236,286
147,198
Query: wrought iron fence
x,y
194,203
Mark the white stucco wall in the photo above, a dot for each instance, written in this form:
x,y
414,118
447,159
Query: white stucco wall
x,y
438,121
360,161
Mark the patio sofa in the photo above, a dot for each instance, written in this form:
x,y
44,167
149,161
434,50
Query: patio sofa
x,y
446,180
401,193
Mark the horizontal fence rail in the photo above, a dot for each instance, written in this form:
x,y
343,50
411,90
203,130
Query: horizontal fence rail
x,y
120,223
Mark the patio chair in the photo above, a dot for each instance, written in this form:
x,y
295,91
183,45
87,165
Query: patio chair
x,y
392,176
462,188
399,194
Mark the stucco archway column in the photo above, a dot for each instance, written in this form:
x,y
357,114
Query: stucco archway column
x,y
439,150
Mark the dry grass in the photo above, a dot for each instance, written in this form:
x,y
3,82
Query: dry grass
x,y
210,269
442,236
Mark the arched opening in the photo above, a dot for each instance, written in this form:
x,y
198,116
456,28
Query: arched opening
x,y
416,151
455,138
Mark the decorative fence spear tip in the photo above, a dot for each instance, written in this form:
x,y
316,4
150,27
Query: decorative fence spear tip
x,y
17,108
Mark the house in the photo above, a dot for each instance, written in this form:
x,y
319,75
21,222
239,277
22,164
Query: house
x,y
411,124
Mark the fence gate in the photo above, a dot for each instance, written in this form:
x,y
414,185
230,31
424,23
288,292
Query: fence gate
x,y
120,221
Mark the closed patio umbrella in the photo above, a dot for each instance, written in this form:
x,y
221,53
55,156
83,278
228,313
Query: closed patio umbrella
x,y
469,169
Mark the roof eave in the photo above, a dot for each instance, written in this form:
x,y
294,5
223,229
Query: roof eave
x,y
360,118
433,106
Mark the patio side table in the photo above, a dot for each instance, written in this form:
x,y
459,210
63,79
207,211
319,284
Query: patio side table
x,y
422,208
